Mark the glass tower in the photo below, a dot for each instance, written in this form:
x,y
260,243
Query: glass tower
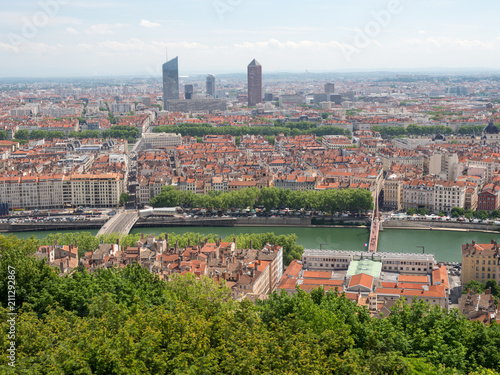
x,y
170,81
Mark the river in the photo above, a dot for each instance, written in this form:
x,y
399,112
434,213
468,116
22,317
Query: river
x,y
445,245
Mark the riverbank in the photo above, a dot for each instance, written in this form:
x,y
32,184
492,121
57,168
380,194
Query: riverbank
x,y
442,226
272,222
55,226
445,245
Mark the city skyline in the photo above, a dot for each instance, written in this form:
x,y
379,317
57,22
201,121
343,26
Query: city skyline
x,y
74,38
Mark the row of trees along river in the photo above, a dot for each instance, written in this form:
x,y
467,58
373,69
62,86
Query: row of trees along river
x,y
354,200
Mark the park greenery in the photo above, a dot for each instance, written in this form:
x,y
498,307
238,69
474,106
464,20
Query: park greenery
x,y
24,134
130,133
411,130
85,134
288,128
417,130
354,200
128,321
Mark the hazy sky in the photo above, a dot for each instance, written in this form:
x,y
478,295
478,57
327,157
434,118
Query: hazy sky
x,y
81,38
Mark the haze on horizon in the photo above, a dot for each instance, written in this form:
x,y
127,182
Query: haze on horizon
x,y
58,38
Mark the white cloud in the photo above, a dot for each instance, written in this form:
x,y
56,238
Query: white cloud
x,y
8,47
85,46
71,30
274,43
130,45
135,45
441,42
103,28
95,4
149,24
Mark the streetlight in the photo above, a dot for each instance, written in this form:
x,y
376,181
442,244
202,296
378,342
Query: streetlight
x,y
423,249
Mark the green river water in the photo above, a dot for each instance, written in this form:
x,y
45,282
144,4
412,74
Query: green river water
x,y
445,245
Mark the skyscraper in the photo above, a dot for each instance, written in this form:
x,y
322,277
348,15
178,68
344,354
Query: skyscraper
x,y
211,85
254,83
329,88
188,91
170,81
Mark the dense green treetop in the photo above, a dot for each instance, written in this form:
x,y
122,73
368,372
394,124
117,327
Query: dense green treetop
x,y
127,321
354,200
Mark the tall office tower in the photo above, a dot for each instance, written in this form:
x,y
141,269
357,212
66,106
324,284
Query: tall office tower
x,y
170,80
211,85
329,88
254,83
188,91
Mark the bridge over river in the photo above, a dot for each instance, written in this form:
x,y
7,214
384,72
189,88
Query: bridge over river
x,y
120,223
375,228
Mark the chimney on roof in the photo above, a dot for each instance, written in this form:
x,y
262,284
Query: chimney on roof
x,y
118,241
251,244
189,242
176,246
488,291
256,265
142,236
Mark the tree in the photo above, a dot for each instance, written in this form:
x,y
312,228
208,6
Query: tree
x,y
22,134
325,115
474,285
457,212
124,197
470,214
493,286
423,211
411,211
4,134
483,215
495,214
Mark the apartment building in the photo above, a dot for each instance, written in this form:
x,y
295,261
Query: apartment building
x,y
480,262
449,194
404,157
57,191
487,199
161,140
418,193
321,260
294,182
393,192
444,165
95,190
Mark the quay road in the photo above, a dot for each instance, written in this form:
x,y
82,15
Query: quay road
x,y
120,223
